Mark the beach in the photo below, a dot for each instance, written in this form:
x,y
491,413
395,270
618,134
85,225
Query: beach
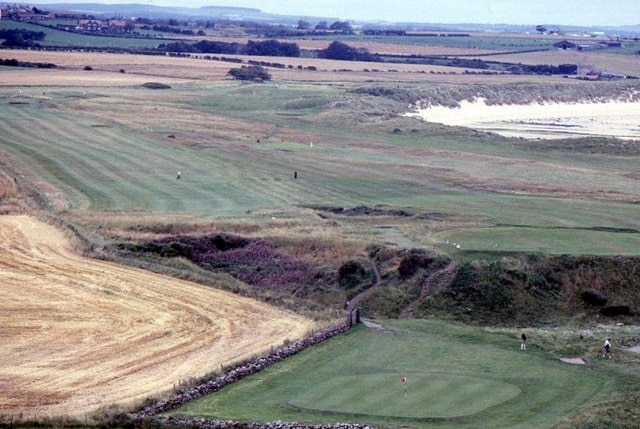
x,y
547,121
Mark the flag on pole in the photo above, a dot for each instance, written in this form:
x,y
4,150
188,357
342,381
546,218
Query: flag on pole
x,y
404,383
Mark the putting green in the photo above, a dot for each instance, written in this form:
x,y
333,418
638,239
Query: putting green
x,y
426,395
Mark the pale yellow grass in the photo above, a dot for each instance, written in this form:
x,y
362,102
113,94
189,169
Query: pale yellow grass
x,y
78,334
371,46
172,70
609,62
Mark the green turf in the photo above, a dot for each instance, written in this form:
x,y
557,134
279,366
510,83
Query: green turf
x,y
54,37
100,164
456,377
426,395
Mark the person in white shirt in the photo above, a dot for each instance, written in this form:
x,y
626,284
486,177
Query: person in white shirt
x,y
607,349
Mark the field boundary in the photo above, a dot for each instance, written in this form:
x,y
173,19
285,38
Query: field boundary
x,y
237,373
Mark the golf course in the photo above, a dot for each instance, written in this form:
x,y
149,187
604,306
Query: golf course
x,y
164,224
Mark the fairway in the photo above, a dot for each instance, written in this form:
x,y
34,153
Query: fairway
x,y
456,376
108,149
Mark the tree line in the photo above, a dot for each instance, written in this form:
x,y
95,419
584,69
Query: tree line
x,y
269,48
21,38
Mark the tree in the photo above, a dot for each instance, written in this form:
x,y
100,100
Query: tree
x,y
303,25
251,73
341,51
273,48
541,29
322,25
342,26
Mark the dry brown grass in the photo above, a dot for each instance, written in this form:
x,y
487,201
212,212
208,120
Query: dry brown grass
x,y
78,334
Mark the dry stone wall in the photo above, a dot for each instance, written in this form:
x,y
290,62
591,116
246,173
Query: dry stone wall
x,y
151,413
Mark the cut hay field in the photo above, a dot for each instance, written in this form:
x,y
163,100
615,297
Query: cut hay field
x,y
163,68
455,377
80,334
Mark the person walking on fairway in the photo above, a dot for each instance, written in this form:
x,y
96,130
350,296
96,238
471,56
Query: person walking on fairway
x,y
607,349
179,176
523,343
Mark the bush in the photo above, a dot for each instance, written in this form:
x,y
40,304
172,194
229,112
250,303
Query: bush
x,y
156,85
250,73
351,274
616,310
341,51
593,297
411,263
88,68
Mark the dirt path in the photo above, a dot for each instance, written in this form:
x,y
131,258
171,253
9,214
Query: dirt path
x,y
431,283
353,302
78,334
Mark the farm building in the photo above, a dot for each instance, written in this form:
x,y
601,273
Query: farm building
x,y
568,45
89,25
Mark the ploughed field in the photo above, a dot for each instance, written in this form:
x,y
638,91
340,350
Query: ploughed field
x,y
78,334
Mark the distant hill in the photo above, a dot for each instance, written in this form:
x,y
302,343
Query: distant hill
x,y
151,11
243,13
156,12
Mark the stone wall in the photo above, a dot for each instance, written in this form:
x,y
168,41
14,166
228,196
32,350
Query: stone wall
x,y
212,385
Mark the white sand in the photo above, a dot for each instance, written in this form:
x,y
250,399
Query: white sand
x,y
574,361
553,120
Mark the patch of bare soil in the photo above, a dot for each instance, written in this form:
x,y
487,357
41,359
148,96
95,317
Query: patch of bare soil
x,y
78,334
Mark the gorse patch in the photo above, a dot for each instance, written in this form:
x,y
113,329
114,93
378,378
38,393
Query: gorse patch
x,y
253,261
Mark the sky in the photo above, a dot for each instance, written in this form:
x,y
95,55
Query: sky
x,y
525,12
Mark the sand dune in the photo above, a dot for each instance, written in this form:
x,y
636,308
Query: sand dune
x,y
551,120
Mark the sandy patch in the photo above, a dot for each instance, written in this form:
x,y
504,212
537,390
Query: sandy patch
x,y
635,349
78,334
552,120
574,361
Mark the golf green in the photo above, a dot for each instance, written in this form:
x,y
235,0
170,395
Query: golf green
x,y
425,395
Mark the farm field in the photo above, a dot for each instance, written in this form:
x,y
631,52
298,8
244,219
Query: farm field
x,y
606,61
324,166
80,334
456,376
327,71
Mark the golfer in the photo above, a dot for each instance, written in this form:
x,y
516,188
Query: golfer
x,y
523,343
607,349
